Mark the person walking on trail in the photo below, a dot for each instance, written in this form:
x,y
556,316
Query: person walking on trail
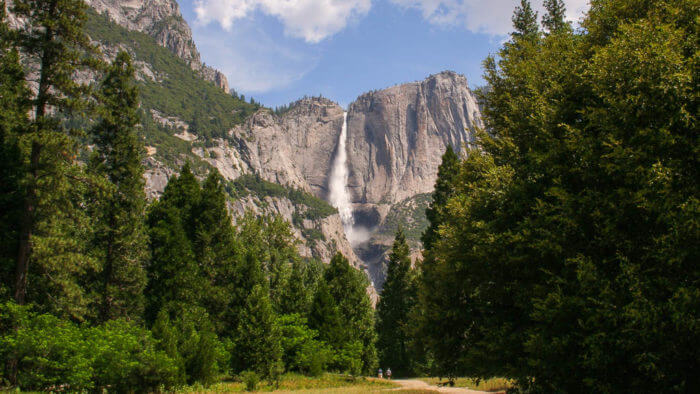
x,y
380,374
388,373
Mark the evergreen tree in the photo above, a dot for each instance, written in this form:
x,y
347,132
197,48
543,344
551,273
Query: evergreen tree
x,y
325,316
121,237
567,257
214,246
444,189
555,18
525,21
424,339
257,345
14,107
298,294
174,277
397,298
52,225
353,332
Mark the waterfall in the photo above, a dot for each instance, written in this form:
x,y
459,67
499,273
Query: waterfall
x,y
338,191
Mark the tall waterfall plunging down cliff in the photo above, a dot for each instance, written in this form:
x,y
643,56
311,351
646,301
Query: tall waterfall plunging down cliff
x,y
338,191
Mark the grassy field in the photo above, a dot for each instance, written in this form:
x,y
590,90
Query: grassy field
x,y
327,383
493,384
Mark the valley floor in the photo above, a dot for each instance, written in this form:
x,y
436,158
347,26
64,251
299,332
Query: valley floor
x,y
334,383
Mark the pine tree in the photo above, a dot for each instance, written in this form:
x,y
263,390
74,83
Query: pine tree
x,y
174,277
525,21
555,18
298,295
348,289
257,345
120,231
52,226
214,246
14,107
397,298
325,316
444,189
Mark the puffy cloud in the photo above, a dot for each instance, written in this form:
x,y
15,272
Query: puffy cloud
x,y
312,20
490,17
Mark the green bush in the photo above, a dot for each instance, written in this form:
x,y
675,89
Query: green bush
x,y
250,379
189,338
248,184
125,358
302,351
55,354
314,357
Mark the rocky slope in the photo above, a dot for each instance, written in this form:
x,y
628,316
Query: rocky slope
x,y
162,20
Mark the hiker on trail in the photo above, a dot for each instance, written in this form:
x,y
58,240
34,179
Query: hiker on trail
x,y
379,374
388,373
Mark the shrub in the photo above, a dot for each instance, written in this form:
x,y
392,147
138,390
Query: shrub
x,y
55,354
190,339
250,379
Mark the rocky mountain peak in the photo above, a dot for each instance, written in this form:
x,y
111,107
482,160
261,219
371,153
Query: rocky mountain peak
x,y
162,20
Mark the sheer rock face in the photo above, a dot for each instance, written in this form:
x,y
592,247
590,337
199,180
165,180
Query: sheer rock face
x,y
397,136
162,20
296,148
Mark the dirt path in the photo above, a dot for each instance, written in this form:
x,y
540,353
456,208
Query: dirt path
x,y
414,384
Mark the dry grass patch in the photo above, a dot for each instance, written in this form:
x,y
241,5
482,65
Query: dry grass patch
x,y
326,383
493,384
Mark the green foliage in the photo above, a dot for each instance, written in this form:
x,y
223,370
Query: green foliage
x,y
410,215
52,226
398,297
343,315
555,18
120,229
55,354
189,338
14,107
247,184
300,288
251,380
525,21
567,257
302,352
444,189
193,249
258,337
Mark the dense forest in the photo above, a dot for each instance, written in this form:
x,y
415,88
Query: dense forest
x,y
561,251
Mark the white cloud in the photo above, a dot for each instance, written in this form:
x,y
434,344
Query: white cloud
x,y
255,66
490,17
312,20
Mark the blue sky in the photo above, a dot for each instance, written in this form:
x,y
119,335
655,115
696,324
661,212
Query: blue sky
x,y
280,50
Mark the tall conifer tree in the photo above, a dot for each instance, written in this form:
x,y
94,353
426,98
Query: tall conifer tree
x,y
51,227
121,237
444,189
14,107
397,298
351,330
257,346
